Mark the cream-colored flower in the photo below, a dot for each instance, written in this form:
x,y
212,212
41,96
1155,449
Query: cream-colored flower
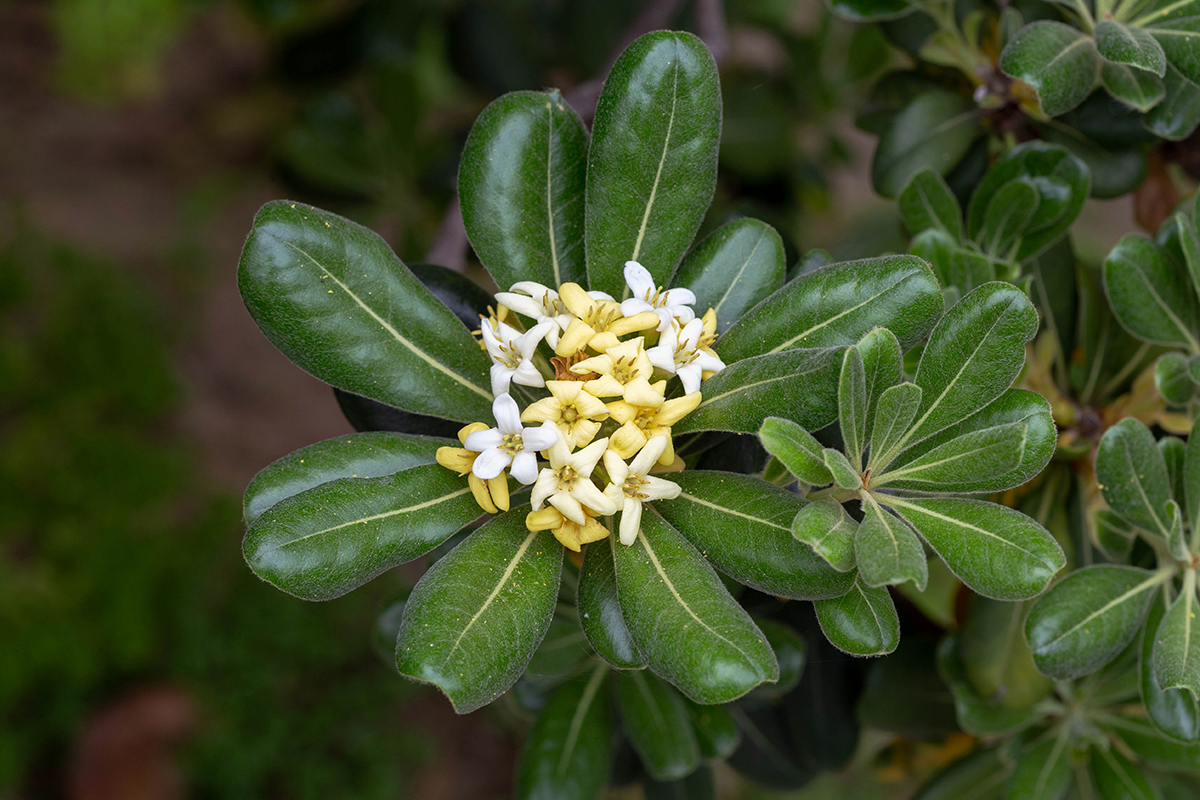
x,y
576,413
684,351
640,423
631,484
572,535
491,495
669,305
539,303
508,444
625,371
512,354
598,323
567,482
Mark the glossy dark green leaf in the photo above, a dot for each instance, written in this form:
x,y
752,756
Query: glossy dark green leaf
x,y
790,652
1175,24
1154,748
1118,778
800,385
359,455
1179,112
366,415
973,355
521,183
871,10
1087,618
1114,535
898,407
1173,379
959,463
1149,295
652,166
655,718
684,621
716,731
796,449
995,656
568,752
1134,87
1133,476
334,298
337,536
862,622
478,614
1125,44
982,776
1058,61
744,527
1173,711
853,405
1044,771
836,306
825,526
563,649
600,611
1176,654
843,474
927,202
1008,215
976,714
996,551
932,132
733,269
886,550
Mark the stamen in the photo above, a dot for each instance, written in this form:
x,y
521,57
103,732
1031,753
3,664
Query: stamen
x,y
512,443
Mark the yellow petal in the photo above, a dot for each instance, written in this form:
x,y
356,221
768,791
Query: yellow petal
x,y
601,365
498,486
568,535
456,458
469,429
480,490
604,340
564,391
622,411
710,322
638,322
575,299
592,532
581,432
639,392
548,408
545,519
676,409
628,439
604,386
576,337
588,406
675,466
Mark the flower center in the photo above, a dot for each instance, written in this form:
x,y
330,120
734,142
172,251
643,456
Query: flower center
x,y
623,371
633,486
512,443
566,477
598,318
646,418
569,414
656,297
509,356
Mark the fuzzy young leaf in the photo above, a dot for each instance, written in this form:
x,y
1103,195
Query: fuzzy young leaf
x,y
844,475
475,618
1175,25
932,132
1087,618
829,530
886,550
1173,711
927,203
684,621
652,166
1191,481
883,364
1179,112
955,465
1058,61
862,622
327,292
1008,216
568,752
1149,295
1133,476
853,405
1125,44
1177,642
796,449
600,611
1132,86
655,718
956,266
1173,379
733,269
898,407
521,182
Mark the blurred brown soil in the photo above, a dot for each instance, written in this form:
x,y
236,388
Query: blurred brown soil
x,y
121,183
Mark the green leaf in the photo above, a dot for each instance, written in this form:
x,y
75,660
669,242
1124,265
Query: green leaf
x,y
324,290
521,183
904,695
825,526
853,406
1008,215
1044,772
765,754
1173,711
1149,295
995,657
933,132
1173,379
1058,61
927,203
870,10
335,537
1174,453
956,266
883,363
975,713
886,550
1191,481
477,615
733,269
1132,86
652,167
800,385
796,449
600,612
1087,618
844,475
563,649
716,731
1179,112
1189,243
655,719
790,651
359,455
1118,778
1125,44
898,407
996,551
568,752
1177,642
1175,25
957,464
1133,476
1154,748
981,776
743,526
836,306
862,622
973,355
682,618
696,786
1114,535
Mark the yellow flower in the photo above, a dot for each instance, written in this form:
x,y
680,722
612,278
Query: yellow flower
x,y
572,535
573,410
491,495
624,370
639,423
598,322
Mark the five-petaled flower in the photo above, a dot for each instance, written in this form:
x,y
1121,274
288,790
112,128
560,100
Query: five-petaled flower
x,y
645,295
508,443
685,351
624,370
539,303
598,322
576,413
567,482
512,353
631,484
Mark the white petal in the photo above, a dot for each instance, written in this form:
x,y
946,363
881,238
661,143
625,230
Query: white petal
x,y
616,468
679,297
635,305
501,379
533,289
708,363
522,305
524,467
689,375
546,485
490,463
541,438
483,440
601,296
508,416
489,337
584,461
569,507
659,489
527,374
662,357
641,282
532,337
665,318
507,333
631,521
649,455
690,335
586,492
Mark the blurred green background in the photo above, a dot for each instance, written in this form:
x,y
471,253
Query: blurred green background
x,y
139,658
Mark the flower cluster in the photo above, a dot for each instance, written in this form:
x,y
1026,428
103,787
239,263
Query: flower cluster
x,y
610,373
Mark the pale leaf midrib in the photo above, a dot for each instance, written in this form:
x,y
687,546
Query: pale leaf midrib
x,y
894,501
731,511
508,571
637,245
585,704
1116,601
788,344
738,277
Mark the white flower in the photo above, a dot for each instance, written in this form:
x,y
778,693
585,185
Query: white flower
x,y
680,352
508,443
567,482
646,296
631,485
511,352
539,303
